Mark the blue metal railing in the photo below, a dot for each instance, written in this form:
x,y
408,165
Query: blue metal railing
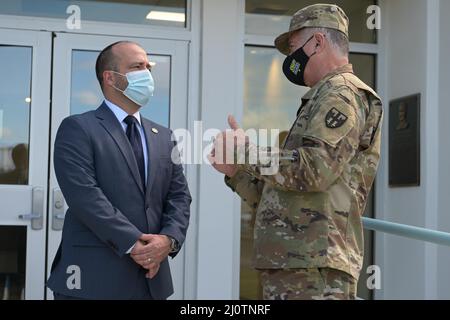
x,y
411,232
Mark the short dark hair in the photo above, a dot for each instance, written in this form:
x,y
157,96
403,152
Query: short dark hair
x,y
107,60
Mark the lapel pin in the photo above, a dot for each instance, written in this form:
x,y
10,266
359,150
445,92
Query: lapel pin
x,y
155,130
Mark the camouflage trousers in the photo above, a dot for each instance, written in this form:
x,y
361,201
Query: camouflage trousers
x,y
307,284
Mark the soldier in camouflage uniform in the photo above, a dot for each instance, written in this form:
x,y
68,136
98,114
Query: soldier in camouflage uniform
x,y
308,230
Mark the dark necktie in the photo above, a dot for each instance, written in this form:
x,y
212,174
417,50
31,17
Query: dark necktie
x,y
136,144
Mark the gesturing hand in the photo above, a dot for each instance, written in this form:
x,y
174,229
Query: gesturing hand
x,y
226,143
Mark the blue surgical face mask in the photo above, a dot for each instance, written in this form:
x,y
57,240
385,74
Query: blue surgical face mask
x,y
140,86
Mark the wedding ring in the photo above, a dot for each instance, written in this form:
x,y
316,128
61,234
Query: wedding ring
x,y
149,260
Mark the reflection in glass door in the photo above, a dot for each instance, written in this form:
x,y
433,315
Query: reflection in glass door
x,y
24,125
15,93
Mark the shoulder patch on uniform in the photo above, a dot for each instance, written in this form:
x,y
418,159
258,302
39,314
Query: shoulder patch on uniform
x,y
335,119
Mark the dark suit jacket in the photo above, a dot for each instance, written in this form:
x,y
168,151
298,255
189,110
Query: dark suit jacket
x,y
108,209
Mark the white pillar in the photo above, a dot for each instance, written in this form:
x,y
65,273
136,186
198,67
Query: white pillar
x,y
443,253
221,95
430,114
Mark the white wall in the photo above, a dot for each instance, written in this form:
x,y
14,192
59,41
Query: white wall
x,y
218,228
411,51
443,287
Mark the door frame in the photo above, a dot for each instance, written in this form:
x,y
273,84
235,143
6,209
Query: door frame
x,y
40,42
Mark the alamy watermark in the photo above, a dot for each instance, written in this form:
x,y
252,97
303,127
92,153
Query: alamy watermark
x,y
73,281
73,21
374,280
374,20
227,147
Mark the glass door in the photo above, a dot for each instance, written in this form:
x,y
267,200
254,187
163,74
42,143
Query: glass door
x,y
75,90
25,64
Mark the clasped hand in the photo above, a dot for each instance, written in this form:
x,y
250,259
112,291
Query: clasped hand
x,y
149,251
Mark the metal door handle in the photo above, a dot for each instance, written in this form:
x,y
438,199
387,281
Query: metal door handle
x,y
29,216
37,209
58,213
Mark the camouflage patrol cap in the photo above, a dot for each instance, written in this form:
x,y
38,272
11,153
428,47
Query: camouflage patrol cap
x,y
314,16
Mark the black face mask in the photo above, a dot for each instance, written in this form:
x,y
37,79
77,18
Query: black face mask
x,y
295,64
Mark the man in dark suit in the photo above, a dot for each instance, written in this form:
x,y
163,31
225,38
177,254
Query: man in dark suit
x,y
128,200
